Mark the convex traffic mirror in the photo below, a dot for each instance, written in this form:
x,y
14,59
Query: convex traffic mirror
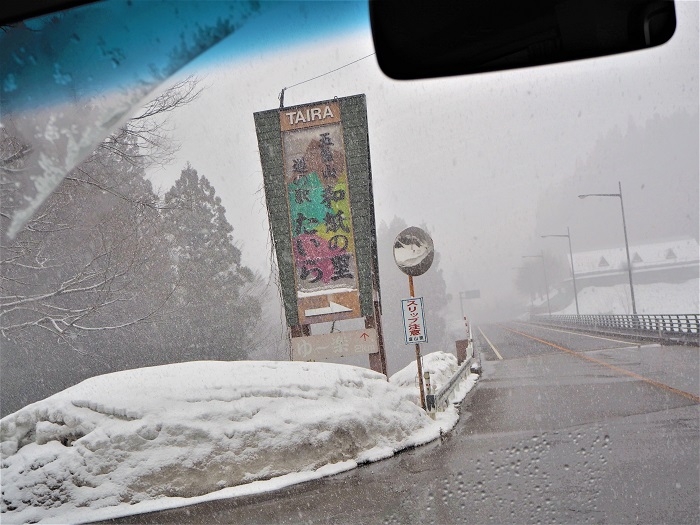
x,y
413,251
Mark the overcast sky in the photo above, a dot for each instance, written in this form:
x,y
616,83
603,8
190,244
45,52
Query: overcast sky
x,y
469,156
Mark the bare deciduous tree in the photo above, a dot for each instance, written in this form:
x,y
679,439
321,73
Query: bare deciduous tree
x,y
80,264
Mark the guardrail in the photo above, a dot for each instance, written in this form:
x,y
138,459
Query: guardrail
x,y
676,328
440,400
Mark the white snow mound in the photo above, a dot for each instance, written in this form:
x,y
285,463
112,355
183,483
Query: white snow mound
x,y
191,429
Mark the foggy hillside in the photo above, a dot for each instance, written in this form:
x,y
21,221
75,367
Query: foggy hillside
x,y
657,163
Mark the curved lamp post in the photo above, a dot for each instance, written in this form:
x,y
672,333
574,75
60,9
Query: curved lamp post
x,y
624,229
571,258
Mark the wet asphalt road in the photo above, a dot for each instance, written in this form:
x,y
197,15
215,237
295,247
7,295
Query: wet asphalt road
x,y
562,428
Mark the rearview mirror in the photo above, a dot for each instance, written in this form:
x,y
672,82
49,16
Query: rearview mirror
x,y
417,39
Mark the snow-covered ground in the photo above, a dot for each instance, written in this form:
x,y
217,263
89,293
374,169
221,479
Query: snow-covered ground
x,y
169,436
657,298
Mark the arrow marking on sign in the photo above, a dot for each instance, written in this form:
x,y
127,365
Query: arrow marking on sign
x,y
333,308
364,336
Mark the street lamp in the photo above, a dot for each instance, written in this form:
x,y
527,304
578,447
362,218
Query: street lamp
x,y
571,257
544,270
624,229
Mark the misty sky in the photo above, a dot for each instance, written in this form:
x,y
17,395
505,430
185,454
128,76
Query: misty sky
x,y
472,157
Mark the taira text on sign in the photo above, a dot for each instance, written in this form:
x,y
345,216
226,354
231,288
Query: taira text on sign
x,y
309,115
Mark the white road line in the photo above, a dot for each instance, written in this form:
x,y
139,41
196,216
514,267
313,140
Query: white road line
x,y
585,335
654,345
490,344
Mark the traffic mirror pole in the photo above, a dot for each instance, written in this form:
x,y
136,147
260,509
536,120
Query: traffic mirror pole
x,y
414,253
419,364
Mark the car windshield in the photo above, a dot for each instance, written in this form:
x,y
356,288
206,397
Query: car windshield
x,y
238,261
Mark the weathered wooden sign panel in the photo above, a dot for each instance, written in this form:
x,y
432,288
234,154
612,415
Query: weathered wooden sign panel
x,y
337,344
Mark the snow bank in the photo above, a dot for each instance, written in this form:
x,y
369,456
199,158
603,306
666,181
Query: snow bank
x,y
171,435
441,366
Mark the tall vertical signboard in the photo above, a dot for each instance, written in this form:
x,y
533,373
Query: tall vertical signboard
x,y
318,188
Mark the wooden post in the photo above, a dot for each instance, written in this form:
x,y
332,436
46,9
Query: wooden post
x,y
377,360
380,339
301,330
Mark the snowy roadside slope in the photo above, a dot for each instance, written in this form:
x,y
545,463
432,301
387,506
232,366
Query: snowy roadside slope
x,y
164,436
656,298
663,298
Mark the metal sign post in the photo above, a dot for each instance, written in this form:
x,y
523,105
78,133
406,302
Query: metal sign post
x,y
419,363
414,253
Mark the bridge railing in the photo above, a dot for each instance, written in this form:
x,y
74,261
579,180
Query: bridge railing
x,y
683,328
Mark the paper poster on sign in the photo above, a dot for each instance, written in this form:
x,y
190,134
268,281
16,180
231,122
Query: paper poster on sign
x,y
323,242
413,320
